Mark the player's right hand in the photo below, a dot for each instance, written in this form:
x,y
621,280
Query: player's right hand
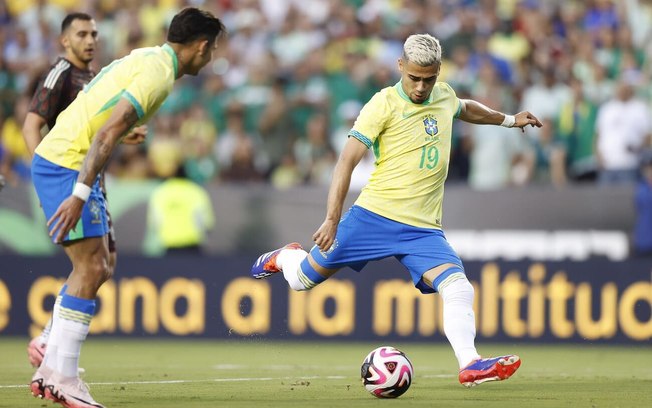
x,y
65,218
325,235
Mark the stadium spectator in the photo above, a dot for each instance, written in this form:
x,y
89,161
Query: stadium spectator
x,y
14,163
180,213
601,14
508,43
287,174
314,152
623,129
8,87
275,128
576,127
461,74
235,149
24,56
399,212
198,135
500,157
308,93
165,151
242,168
598,87
550,156
75,151
546,95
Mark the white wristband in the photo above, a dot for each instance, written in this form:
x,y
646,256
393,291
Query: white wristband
x,y
508,121
81,191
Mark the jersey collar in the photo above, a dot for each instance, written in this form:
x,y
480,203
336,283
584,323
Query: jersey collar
x,y
166,47
403,95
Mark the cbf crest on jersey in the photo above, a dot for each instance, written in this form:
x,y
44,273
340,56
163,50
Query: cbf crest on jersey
x,y
430,125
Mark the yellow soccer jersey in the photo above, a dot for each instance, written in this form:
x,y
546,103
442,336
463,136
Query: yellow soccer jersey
x,y
145,78
412,144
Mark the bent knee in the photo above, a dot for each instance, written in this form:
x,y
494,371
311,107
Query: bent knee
x,y
97,269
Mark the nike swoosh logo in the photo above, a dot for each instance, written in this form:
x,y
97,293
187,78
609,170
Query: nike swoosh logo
x,y
407,115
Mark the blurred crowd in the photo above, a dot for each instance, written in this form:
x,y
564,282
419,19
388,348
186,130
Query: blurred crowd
x,y
276,104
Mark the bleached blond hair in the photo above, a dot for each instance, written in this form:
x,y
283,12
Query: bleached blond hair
x,y
422,49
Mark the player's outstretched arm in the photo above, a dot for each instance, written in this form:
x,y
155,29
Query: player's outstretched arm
x,y
475,112
353,152
124,117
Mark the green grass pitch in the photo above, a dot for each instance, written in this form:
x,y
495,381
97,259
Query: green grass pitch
x,y
261,373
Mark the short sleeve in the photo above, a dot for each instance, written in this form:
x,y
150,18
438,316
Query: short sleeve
x,y
456,104
147,89
371,120
48,93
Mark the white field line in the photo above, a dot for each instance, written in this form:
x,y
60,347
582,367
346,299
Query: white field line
x,y
220,380
208,380
279,367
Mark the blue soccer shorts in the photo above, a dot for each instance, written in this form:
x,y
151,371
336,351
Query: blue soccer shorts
x,y
364,236
54,184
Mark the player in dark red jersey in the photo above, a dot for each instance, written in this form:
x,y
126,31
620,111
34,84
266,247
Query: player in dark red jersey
x,y
56,89
65,78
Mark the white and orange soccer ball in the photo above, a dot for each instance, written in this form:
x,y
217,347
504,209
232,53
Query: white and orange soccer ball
x,y
387,372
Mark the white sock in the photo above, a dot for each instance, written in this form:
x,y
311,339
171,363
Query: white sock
x,y
45,334
73,318
50,358
72,337
459,319
288,261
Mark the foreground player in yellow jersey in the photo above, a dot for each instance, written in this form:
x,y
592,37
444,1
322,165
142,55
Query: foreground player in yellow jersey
x,y
65,171
399,212
57,88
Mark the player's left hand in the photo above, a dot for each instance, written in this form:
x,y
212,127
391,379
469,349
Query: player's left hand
x,y
136,136
65,218
526,118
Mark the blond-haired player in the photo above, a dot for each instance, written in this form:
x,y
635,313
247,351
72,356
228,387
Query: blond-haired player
x,y
398,213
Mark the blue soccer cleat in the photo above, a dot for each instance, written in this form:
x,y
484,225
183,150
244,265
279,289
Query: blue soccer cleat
x,y
266,263
489,369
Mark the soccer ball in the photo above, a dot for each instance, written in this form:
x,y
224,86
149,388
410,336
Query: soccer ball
x,y
386,372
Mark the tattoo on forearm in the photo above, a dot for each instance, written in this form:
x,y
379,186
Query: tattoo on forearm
x,y
98,154
102,147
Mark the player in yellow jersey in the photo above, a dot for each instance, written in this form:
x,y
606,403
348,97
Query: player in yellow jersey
x,y
399,211
56,89
65,172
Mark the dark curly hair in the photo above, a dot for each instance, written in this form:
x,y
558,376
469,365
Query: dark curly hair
x,y
192,23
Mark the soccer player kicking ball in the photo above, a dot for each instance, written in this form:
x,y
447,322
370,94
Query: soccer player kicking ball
x,y
398,213
65,172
